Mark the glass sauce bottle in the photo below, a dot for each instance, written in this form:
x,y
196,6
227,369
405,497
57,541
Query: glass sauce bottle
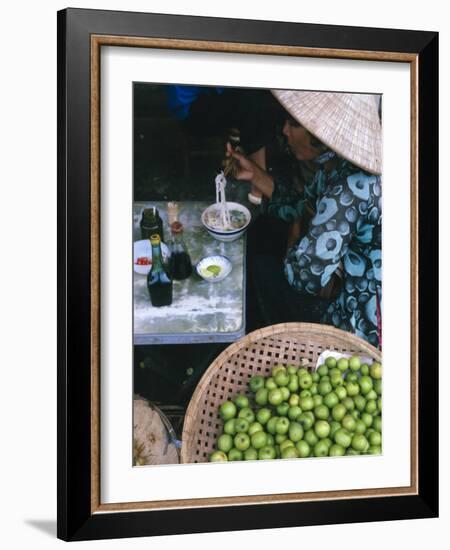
x,y
151,223
180,262
159,281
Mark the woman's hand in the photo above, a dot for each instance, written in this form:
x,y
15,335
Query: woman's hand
x,y
250,171
246,168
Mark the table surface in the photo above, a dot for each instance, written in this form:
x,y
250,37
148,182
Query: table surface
x,y
200,312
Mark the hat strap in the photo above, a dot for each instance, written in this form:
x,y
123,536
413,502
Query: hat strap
x,y
324,157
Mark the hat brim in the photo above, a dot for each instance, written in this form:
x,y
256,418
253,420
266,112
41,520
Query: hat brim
x,y
348,124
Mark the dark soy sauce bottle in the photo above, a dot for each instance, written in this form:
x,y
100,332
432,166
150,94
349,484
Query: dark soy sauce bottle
x,y
180,264
159,281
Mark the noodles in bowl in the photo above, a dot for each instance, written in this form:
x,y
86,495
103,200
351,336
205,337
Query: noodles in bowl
x,y
239,218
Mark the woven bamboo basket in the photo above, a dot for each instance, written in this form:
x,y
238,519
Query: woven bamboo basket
x,y
256,353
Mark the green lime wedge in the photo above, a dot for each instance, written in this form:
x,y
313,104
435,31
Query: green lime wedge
x,y
214,269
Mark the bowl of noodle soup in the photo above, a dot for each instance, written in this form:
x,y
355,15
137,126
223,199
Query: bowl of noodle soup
x,y
212,221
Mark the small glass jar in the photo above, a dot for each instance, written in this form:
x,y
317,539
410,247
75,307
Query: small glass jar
x,y
151,223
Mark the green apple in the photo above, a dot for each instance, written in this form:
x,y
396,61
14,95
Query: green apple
x,y
360,402
248,414
258,440
267,453
321,412
303,448
281,378
322,370
261,396
343,438
294,400
324,387
294,412
295,431
241,425
256,382
282,425
251,454
348,403
218,456
229,427
277,368
227,410
285,393
334,427
279,438
282,409
366,384
376,370
365,370
352,388
336,450
289,452
286,443
320,448
293,383
360,443
322,429
310,437
225,443
305,381
271,425
234,455
241,401
275,397
342,364
306,403
318,400
306,420
348,423
254,427
331,399
292,369
241,441
263,415
367,419
371,406
377,422
354,363
270,383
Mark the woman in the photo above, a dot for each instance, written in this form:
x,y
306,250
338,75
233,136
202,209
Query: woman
x,y
341,135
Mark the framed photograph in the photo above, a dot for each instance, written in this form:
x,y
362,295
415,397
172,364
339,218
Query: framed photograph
x,y
247,286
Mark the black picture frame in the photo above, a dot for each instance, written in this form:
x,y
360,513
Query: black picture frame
x,y
76,518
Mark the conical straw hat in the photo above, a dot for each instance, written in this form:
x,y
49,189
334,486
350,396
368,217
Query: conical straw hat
x,y
347,123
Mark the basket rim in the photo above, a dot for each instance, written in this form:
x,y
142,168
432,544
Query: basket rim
x,y
311,328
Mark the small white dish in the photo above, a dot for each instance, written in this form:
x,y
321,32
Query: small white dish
x,y
214,268
143,249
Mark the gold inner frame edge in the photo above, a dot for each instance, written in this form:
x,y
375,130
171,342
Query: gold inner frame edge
x,y
97,41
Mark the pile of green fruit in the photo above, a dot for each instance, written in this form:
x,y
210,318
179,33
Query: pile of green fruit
x,y
296,413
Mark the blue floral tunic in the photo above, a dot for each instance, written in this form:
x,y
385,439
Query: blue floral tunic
x,y
345,232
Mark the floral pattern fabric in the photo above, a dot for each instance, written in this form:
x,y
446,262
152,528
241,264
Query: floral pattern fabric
x,y
345,232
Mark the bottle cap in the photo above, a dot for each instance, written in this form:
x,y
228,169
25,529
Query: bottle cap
x,y
155,239
176,228
149,213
